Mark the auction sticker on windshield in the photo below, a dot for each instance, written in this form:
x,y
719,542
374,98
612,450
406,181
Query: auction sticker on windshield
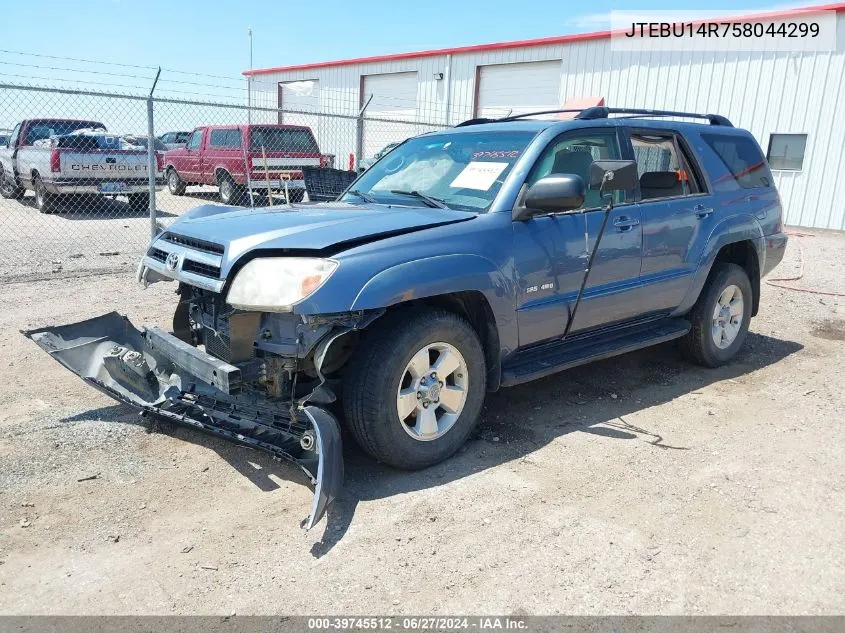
x,y
479,175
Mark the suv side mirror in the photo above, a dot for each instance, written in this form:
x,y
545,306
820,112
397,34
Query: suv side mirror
x,y
555,193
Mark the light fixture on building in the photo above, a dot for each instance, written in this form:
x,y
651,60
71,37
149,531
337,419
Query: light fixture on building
x,y
438,76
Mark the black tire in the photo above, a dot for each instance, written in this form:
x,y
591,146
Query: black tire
x,y
139,202
9,187
373,377
230,192
175,184
45,201
699,344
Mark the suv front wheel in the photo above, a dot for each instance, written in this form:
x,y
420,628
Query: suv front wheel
x,y
414,390
720,317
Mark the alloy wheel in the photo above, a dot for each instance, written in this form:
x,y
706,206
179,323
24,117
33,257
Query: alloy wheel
x,y
432,392
727,317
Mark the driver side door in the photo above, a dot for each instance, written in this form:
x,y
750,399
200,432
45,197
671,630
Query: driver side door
x,y
550,252
190,167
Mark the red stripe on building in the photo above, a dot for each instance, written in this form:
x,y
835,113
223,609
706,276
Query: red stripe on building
x,y
839,7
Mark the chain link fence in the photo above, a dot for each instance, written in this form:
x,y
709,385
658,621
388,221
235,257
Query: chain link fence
x,y
83,187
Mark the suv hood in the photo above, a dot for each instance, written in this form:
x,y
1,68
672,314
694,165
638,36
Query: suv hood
x,y
306,227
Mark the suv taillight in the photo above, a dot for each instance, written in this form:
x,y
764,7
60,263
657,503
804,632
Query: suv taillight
x,y
55,162
159,161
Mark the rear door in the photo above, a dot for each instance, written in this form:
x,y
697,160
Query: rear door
x,y
677,212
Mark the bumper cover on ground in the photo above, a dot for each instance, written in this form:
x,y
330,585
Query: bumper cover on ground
x,y
158,374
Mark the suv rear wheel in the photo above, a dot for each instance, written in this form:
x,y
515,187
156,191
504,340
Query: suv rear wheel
x,y
414,390
720,317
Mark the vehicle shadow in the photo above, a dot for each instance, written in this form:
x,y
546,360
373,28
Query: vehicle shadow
x,y
515,422
95,208
208,196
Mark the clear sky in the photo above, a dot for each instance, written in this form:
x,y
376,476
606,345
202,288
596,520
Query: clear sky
x,y
211,36
203,46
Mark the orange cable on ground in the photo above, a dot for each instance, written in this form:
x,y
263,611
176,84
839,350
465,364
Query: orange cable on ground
x,y
773,282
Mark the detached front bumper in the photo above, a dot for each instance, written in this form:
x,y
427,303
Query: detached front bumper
x,y
159,374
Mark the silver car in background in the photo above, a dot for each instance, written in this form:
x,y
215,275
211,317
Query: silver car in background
x,y
366,163
175,140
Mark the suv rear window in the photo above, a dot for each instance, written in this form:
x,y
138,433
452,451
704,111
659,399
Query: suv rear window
x,y
742,158
282,140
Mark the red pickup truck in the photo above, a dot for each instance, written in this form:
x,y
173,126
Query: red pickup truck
x,y
217,155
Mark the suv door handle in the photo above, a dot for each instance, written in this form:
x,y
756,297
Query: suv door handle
x,y
701,211
624,223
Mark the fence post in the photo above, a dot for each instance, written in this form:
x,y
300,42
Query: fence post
x,y
151,158
359,132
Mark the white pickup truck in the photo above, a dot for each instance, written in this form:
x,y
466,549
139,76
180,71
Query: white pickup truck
x,y
66,157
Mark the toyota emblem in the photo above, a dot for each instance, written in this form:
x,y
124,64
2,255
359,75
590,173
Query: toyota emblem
x,y
172,261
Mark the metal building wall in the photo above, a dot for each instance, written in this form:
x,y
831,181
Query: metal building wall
x,y
763,92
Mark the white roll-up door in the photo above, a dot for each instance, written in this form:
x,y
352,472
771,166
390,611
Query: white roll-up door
x,y
300,95
505,89
297,99
394,98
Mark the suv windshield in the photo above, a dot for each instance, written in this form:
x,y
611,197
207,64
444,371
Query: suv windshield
x,y
275,139
463,171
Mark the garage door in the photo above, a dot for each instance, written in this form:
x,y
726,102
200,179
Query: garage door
x,y
394,99
516,88
296,98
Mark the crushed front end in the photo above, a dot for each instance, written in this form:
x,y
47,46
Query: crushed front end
x,y
258,378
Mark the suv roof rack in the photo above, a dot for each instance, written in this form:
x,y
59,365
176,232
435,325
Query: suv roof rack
x,y
603,112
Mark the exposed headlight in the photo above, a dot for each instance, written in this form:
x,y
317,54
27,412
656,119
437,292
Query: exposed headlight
x,y
274,284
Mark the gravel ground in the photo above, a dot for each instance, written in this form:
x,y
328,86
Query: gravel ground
x,y
99,235
642,484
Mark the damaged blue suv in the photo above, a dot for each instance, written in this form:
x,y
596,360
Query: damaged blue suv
x,y
463,261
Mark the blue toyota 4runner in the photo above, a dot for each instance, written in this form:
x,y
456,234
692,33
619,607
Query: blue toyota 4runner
x,y
463,261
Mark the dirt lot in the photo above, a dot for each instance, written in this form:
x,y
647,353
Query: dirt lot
x,y
92,235
638,485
